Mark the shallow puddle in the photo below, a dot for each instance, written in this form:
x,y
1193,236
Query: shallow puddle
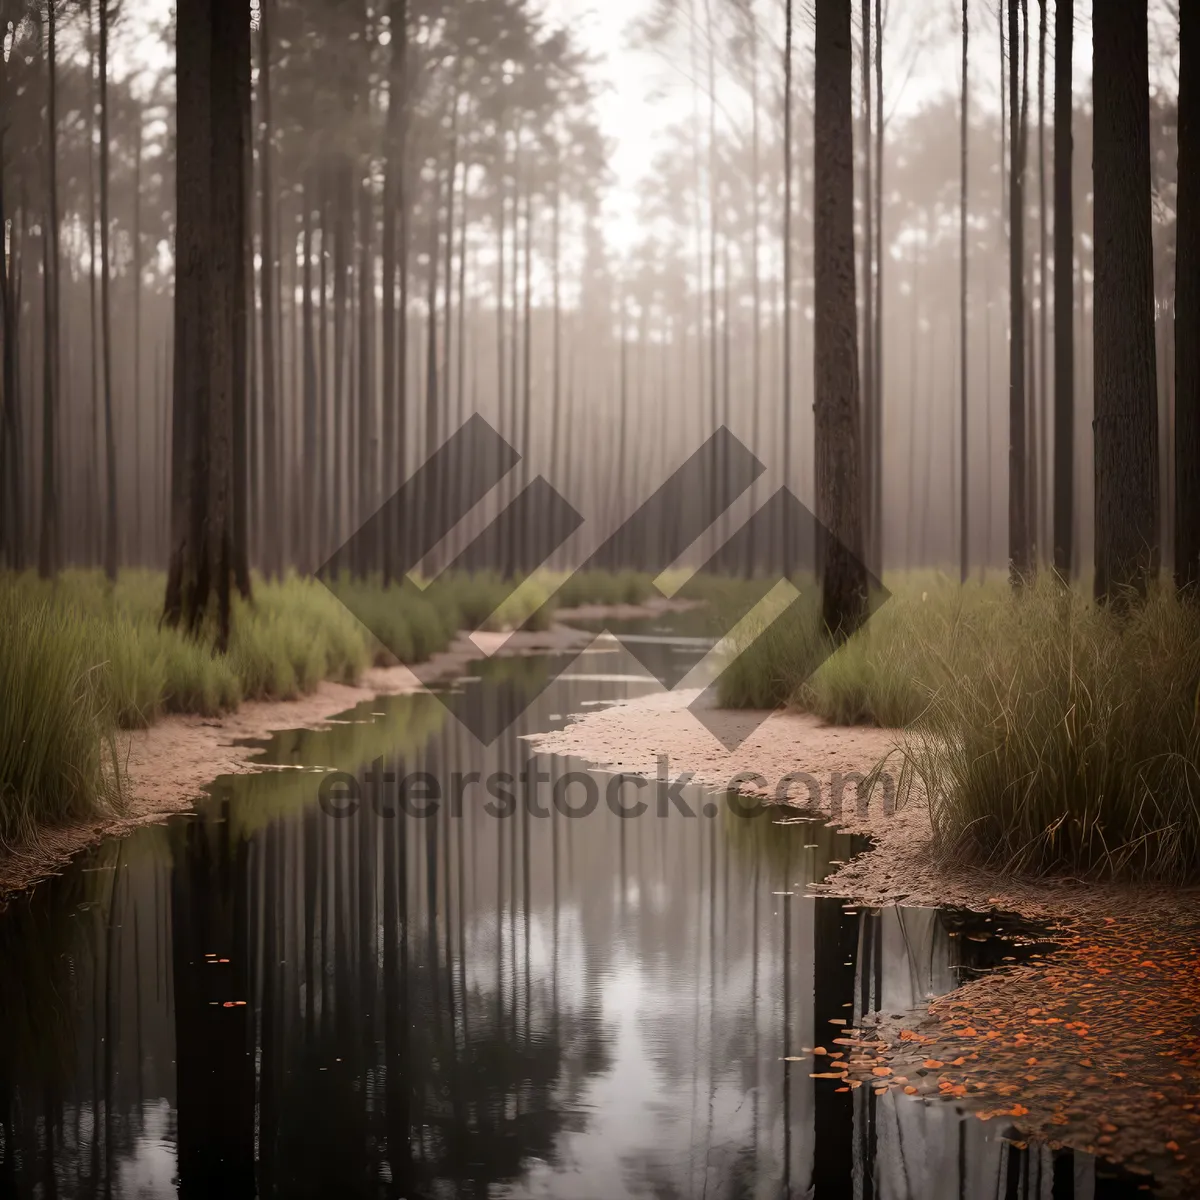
x,y
305,990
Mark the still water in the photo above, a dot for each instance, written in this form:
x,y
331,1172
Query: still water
x,y
492,999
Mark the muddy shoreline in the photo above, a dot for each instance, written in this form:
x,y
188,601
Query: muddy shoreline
x,y
164,768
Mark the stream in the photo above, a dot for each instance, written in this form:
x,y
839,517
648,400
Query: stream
x,y
305,990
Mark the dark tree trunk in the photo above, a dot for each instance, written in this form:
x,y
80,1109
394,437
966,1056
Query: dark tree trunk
x,y
964,490
233,199
308,483
110,437
836,393
1126,406
48,545
870,433
876,487
1064,302
366,371
395,339
138,507
95,530
270,530
786,333
12,524
1033,434
431,367
752,549
1043,391
527,348
213,74
448,261
343,217
1187,309
1018,520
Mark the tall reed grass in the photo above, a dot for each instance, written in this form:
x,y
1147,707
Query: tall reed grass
x,y
81,658
1049,734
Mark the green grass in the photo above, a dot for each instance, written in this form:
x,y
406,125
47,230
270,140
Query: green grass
x,y
1050,735
55,718
1068,738
80,659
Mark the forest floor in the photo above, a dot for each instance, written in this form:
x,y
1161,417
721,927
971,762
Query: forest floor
x,y
1095,1045
165,767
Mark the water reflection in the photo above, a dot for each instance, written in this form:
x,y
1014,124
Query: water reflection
x,y
262,999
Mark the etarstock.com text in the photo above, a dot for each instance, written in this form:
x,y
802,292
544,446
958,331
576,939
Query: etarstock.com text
x,y
540,792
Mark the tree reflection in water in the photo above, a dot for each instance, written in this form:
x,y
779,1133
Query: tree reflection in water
x,y
463,1005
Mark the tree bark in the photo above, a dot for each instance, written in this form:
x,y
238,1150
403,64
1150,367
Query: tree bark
x,y
877,482
870,432
1018,527
271,532
1064,301
310,487
110,438
1126,407
12,525
964,491
367,440
786,332
836,407
48,543
1187,309
1043,390
212,68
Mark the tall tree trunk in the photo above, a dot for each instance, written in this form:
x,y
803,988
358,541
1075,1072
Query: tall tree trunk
x,y
501,220
213,74
448,261
836,392
786,333
1018,522
367,496
139,539
12,525
234,206
48,544
343,220
876,517
1043,390
1126,407
1064,302
527,349
309,448
270,533
389,468
395,334
1187,309
964,497
870,433
431,367
752,549
95,530
556,413
110,437
713,224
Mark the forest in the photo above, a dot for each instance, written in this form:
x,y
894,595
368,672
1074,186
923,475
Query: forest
x,y
948,326
739,393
